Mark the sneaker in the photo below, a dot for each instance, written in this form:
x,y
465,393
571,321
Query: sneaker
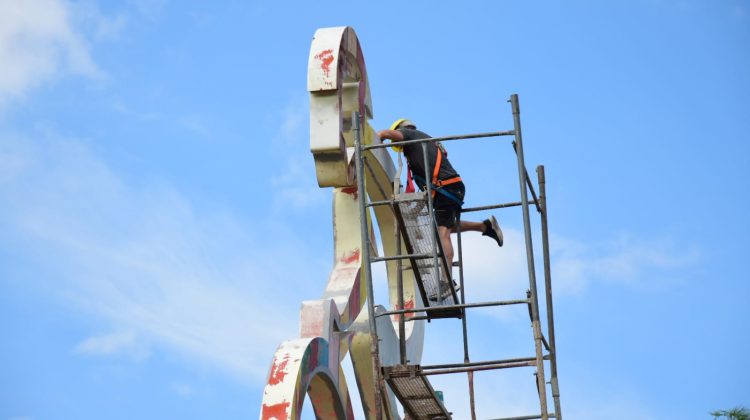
x,y
492,229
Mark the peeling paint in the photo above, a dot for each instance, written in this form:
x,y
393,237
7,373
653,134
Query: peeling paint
x,y
278,371
277,411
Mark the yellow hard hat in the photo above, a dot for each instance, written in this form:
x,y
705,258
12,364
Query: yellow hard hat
x,y
402,122
396,124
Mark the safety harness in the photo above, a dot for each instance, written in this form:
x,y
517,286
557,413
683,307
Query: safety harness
x,y
437,184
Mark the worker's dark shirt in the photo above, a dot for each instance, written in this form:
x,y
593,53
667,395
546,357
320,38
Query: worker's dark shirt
x,y
413,153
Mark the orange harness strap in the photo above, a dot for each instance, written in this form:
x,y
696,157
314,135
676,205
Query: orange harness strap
x,y
435,181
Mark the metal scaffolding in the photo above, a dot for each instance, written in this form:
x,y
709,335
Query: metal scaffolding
x,y
410,382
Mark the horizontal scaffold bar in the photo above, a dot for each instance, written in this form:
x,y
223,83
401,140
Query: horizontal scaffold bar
x,y
447,307
495,206
488,362
446,138
402,257
465,210
475,366
478,368
529,417
419,197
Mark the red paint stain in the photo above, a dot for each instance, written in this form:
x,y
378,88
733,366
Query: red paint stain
x,y
351,257
276,411
409,304
278,371
326,58
350,190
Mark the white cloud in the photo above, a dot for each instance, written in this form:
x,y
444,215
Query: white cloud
x,y
103,27
293,126
110,27
494,273
294,187
151,9
113,344
144,261
641,264
38,43
195,124
183,390
124,109
498,272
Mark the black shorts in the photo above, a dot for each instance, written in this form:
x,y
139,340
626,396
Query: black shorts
x,y
447,209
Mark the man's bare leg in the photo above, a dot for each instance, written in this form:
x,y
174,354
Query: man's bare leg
x,y
467,226
445,236
445,239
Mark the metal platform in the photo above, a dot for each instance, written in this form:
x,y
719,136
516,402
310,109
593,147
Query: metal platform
x,y
417,229
415,393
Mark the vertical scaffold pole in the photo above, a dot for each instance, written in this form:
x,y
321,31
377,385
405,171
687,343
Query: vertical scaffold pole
x,y
530,258
399,268
366,268
462,294
400,287
548,289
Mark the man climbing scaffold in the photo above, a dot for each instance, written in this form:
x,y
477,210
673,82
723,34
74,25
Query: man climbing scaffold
x,y
448,189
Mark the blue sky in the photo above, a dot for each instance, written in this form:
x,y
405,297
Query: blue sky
x,y
160,222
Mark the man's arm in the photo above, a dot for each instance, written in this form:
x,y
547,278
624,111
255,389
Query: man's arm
x,y
393,135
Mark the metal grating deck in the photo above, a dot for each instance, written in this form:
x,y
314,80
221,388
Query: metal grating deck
x,y
415,393
417,227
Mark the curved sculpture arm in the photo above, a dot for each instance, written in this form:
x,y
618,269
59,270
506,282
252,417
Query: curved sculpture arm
x,y
337,82
302,367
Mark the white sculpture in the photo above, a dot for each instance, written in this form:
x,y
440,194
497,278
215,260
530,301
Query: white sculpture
x,y
335,324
